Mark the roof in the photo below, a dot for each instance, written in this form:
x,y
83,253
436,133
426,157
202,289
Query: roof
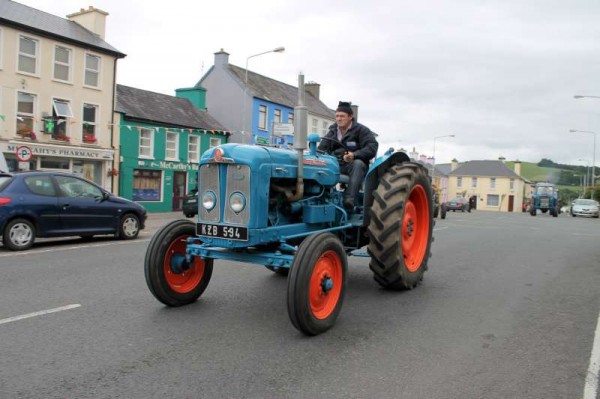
x,y
484,168
279,92
161,108
443,169
44,24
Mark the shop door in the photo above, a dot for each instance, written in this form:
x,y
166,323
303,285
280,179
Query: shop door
x,y
511,202
178,190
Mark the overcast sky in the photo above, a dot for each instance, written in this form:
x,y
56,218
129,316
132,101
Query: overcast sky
x,y
500,75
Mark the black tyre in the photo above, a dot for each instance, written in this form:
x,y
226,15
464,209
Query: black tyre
x,y
317,283
129,227
401,227
171,280
532,211
443,212
18,235
554,212
282,271
436,211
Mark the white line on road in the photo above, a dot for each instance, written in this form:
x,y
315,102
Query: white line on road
x,y
62,248
591,378
40,313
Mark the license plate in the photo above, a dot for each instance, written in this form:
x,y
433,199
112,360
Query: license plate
x,y
219,231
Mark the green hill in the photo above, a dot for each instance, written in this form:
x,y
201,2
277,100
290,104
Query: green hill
x,y
535,173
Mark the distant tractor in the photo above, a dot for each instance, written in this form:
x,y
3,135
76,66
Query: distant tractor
x,y
544,198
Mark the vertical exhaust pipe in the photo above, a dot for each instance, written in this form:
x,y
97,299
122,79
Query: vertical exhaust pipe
x,y
300,134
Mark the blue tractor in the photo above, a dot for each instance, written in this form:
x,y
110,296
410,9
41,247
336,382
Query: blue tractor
x,y
544,198
283,209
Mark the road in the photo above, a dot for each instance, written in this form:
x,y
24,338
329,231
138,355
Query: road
x,y
508,309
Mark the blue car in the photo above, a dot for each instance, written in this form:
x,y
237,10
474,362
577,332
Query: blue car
x,y
57,204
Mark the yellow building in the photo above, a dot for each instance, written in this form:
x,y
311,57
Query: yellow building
x,y
494,186
57,85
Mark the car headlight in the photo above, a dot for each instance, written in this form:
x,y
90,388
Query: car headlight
x,y
209,200
237,202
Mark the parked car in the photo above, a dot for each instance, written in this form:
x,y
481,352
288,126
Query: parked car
x,y
190,204
585,207
457,204
56,204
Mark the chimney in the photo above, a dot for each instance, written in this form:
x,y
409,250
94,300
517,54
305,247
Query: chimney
x,y
501,159
414,154
92,19
355,111
453,164
221,59
518,167
313,88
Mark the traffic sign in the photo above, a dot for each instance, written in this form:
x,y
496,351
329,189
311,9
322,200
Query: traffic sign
x,y
24,153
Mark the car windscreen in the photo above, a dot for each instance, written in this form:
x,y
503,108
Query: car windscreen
x,y
585,202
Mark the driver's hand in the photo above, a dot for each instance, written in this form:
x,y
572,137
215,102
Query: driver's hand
x,y
349,157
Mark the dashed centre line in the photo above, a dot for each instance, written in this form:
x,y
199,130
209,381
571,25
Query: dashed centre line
x,y
40,313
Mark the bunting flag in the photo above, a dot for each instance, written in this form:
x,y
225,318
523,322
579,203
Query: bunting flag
x,y
2,117
175,129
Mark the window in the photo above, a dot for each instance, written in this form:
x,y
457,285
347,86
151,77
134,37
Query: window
x,y
90,113
61,110
55,163
474,182
459,181
492,182
28,55
171,146
512,184
493,200
291,117
25,112
146,185
72,187
214,142
262,117
325,129
40,185
277,116
146,143
92,71
62,63
315,125
193,148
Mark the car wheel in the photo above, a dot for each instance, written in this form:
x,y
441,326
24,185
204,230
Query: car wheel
x,y
129,227
18,235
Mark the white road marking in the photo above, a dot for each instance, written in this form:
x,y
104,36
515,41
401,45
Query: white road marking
x,y
591,379
63,248
40,313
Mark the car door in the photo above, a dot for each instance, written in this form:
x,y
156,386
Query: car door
x,y
84,208
41,202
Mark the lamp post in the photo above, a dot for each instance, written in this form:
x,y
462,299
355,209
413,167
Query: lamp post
x,y
275,50
433,169
593,157
587,170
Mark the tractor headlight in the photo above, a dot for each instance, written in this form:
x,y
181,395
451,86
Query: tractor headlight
x,y
237,202
209,200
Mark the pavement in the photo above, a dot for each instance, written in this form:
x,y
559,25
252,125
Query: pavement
x,y
156,220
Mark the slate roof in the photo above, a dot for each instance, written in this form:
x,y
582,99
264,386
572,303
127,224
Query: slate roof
x,y
443,169
161,108
278,92
484,168
41,23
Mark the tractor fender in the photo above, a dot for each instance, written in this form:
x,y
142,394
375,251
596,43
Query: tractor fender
x,y
376,170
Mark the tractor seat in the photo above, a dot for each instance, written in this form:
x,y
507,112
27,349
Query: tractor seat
x,y
344,179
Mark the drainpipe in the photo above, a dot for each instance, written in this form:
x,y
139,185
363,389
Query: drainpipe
x,y
112,127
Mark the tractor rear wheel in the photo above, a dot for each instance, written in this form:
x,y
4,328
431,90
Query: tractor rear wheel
x,y
170,278
401,227
317,283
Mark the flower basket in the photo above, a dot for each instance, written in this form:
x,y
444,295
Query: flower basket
x,y
27,134
62,138
88,138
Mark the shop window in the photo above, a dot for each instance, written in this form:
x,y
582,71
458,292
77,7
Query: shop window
x,y
25,112
146,185
55,163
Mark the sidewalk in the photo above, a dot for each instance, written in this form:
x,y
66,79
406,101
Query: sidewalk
x,y
159,219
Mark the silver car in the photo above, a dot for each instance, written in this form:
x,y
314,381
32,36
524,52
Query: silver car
x,y
585,207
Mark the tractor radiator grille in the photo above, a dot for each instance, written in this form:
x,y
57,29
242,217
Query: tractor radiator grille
x,y
238,180
209,181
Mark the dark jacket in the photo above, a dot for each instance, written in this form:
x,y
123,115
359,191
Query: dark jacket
x,y
359,139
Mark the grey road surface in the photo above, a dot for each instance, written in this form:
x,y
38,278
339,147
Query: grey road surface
x,y
507,309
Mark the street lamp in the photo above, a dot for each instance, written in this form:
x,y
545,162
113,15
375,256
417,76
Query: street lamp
x,y
433,169
593,156
275,50
578,96
587,170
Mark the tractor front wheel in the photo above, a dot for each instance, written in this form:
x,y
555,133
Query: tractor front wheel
x,y
317,283
170,278
401,227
